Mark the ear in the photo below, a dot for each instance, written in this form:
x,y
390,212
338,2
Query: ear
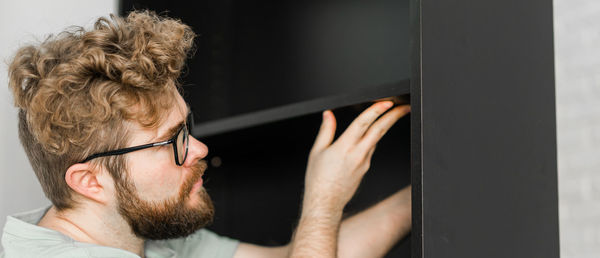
x,y
87,180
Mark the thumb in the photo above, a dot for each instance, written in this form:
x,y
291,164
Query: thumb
x,y
326,132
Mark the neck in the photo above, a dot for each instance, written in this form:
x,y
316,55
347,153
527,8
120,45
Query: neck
x,y
94,225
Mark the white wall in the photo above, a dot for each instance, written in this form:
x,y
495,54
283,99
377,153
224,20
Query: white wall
x,y
23,21
577,48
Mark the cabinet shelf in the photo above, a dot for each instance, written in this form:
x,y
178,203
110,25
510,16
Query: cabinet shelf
x,y
204,129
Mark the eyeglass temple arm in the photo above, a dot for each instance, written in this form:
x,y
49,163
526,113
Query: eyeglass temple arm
x,y
126,150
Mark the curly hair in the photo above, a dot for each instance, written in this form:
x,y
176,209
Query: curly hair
x,y
76,90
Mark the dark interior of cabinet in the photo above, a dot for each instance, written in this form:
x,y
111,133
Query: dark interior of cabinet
x,y
261,73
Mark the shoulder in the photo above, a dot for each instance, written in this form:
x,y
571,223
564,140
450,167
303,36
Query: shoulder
x,y
22,237
16,247
65,250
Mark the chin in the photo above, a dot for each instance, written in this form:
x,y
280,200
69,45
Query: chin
x,y
197,201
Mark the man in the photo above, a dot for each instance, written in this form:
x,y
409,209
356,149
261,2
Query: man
x,y
104,126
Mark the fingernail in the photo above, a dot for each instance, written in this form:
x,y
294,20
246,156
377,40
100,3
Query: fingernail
x,y
388,104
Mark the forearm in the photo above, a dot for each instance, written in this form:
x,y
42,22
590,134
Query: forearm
x,y
317,233
373,232
370,233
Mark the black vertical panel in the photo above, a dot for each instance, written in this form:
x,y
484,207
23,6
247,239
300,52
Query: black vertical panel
x,y
489,180
416,140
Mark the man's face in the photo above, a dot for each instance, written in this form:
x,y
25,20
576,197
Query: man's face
x,y
162,200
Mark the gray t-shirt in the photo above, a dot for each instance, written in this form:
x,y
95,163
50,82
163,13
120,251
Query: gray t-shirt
x,y
22,237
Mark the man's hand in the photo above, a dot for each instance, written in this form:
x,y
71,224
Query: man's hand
x,y
335,170
333,174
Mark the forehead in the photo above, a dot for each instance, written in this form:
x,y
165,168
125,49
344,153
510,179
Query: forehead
x,y
180,106
177,113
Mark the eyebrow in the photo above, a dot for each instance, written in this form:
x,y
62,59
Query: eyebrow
x,y
171,132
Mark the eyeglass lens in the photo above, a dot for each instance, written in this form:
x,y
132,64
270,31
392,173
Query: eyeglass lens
x,y
182,145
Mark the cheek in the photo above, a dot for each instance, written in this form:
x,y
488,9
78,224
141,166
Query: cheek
x,y
155,176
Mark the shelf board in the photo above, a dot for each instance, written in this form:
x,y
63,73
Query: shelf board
x,y
301,108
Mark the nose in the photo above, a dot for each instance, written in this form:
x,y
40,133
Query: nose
x,y
196,152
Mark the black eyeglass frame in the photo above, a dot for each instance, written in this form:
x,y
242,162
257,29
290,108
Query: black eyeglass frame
x,y
173,140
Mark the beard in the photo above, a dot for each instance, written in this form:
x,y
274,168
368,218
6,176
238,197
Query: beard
x,y
172,218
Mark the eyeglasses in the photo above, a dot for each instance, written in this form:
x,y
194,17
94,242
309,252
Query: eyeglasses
x,y
180,141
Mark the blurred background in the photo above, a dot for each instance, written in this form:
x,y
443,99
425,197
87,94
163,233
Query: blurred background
x,y
577,62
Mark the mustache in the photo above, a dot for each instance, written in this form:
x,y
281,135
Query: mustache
x,y
198,170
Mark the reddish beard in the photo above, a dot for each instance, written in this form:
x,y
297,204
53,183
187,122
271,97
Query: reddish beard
x,y
172,218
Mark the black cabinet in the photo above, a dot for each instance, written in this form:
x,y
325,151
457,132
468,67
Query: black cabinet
x,y
479,147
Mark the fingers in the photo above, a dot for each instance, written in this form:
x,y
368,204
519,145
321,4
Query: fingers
x,y
380,127
326,132
359,126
